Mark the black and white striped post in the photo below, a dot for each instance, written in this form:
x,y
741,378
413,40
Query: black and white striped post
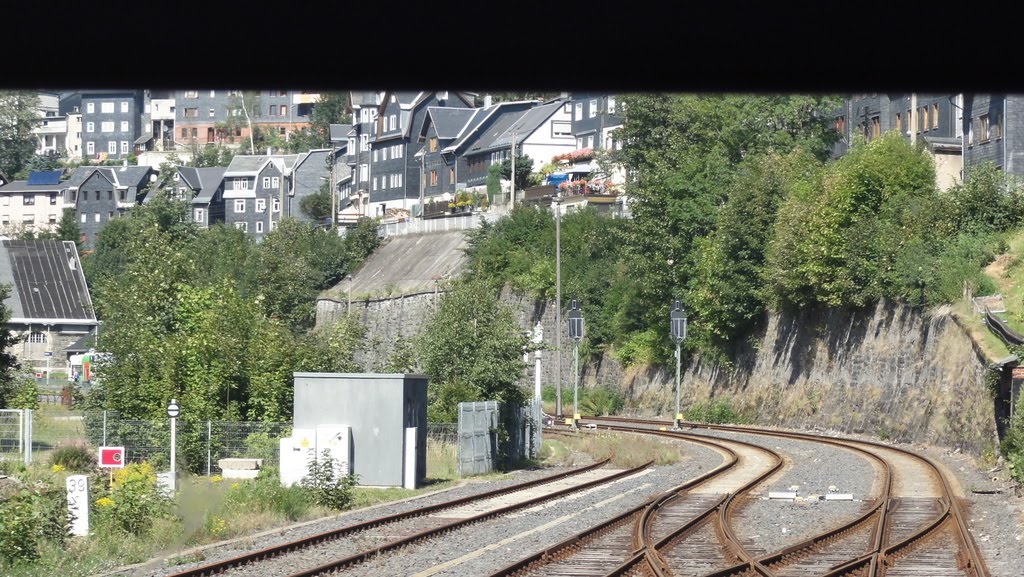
x,y
677,329
576,334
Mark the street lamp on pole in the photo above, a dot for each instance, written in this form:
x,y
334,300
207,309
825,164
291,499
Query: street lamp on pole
x,y
556,204
677,329
576,334
538,411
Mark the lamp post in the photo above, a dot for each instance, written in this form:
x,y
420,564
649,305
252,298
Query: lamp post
x,y
538,412
348,305
677,329
556,203
576,334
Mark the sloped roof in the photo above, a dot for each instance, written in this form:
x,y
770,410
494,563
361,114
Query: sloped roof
x,y
363,98
526,124
209,181
189,175
23,186
81,174
340,132
127,175
448,122
46,281
481,115
488,138
44,177
251,164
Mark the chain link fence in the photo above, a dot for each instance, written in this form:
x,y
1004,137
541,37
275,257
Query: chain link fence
x,y
200,443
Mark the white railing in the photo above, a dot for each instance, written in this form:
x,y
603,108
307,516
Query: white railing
x,y
419,226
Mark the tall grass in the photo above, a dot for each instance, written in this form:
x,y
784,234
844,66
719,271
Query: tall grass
x,y
623,449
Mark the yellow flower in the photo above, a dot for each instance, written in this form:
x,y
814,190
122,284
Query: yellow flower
x,y
234,486
57,468
104,502
217,525
216,479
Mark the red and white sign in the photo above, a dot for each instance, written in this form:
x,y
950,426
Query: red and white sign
x,y
112,457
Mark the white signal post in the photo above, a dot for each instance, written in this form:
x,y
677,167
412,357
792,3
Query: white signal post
x,y
173,410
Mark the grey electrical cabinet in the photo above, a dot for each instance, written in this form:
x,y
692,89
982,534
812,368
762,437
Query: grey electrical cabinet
x,y
377,408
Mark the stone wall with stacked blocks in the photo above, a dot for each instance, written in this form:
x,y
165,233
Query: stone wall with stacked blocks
x,y
889,371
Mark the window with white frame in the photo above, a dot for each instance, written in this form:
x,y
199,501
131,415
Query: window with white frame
x,y
593,108
364,115
364,172
579,111
96,217
275,182
351,145
375,155
579,143
384,153
36,337
107,126
90,127
5,219
375,183
28,200
107,107
611,105
590,141
398,180
199,215
53,219
213,94
90,148
85,217
212,113
191,94
124,147
28,219
240,184
259,226
6,201
124,126
561,129
112,147
124,106
275,205
567,109
393,121
90,107
364,142
239,205
243,226
261,205
266,182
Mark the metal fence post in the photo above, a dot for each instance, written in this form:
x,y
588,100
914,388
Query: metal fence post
x,y
209,436
104,427
28,436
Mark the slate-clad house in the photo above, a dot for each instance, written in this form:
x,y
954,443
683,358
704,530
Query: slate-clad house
x,y
110,123
441,127
382,147
994,126
311,171
482,129
205,188
101,193
594,117
49,300
254,191
199,112
34,205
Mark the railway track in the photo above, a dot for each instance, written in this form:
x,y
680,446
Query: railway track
x,y
392,532
900,535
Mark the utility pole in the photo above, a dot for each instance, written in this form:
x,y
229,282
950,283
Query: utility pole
x,y
556,203
334,202
913,118
512,196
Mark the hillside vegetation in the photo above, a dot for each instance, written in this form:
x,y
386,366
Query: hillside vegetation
x,y
739,210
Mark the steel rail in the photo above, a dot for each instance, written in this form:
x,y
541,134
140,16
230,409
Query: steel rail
x,y
277,550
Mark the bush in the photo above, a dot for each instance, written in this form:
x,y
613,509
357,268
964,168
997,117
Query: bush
x,y
265,493
134,500
601,401
28,518
74,457
714,412
325,486
25,395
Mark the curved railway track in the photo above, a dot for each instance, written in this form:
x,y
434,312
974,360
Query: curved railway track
x,y
402,529
905,535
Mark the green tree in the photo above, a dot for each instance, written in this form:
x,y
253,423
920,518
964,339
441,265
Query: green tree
x,y
243,109
68,228
40,162
318,206
8,362
471,349
18,117
330,109
524,167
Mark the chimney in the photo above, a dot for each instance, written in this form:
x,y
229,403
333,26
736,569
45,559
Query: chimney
x,y
268,150
487,99
564,95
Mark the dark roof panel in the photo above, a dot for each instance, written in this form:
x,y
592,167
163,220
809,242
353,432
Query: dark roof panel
x,y
48,177
47,280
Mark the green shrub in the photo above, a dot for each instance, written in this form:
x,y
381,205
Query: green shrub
x,y
265,493
133,501
602,400
325,486
639,348
25,395
29,518
716,411
74,457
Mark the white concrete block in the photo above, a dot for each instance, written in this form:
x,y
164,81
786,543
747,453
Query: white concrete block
x,y
782,495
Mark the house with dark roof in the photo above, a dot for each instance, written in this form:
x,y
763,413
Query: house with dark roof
x,y
255,190
102,193
204,187
594,116
383,144
441,128
33,205
49,300
312,170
